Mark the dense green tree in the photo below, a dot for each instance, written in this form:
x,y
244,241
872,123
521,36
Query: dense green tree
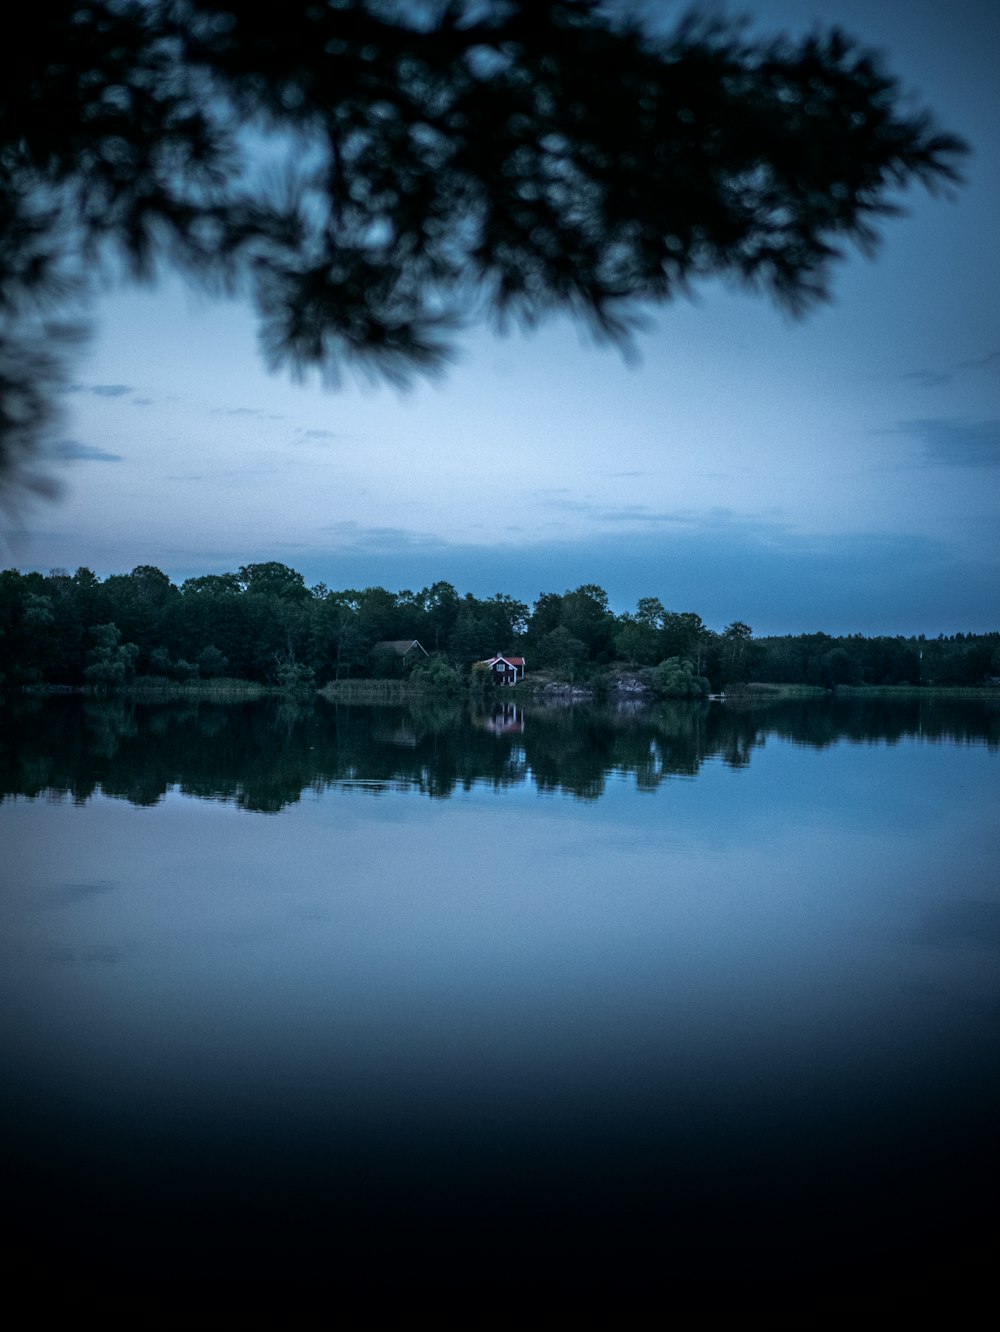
x,y
351,649
294,677
545,616
637,641
683,634
272,579
211,662
586,616
140,603
440,603
535,154
561,651
650,612
212,585
841,667
110,662
439,674
469,641
378,617
504,620
212,612
735,651
676,678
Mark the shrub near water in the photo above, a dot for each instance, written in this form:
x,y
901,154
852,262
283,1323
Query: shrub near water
x,y
438,674
675,678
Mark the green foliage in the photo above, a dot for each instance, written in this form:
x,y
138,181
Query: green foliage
x,y
676,678
295,677
110,663
211,663
438,674
562,652
737,655
637,642
470,639
272,580
61,629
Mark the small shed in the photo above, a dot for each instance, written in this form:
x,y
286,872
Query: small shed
x,y
407,648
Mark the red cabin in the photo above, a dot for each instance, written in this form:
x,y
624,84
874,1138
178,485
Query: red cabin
x,y
505,670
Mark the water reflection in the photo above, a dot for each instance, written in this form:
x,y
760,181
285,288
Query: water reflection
x,y
588,1016
264,755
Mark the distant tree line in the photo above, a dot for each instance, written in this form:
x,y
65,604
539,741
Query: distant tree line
x,y
263,624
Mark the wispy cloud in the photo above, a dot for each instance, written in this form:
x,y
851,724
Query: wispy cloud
x,y
247,411
102,390
377,540
722,565
981,362
944,375
640,517
930,378
954,441
71,450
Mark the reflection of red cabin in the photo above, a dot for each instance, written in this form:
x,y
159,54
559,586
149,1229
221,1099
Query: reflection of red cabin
x,y
506,718
506,670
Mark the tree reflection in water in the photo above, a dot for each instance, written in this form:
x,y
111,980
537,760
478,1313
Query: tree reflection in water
x,y
263,755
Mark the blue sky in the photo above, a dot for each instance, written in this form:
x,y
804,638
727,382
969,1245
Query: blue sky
x,y
838,473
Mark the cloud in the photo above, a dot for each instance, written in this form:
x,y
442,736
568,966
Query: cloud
x,y
935,378
930,378
652,520
720,565
953,441
981,362
377,540
247,411
71,450
321,434
102,390
716,563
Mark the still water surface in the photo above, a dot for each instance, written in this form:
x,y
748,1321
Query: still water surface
x,y
685,992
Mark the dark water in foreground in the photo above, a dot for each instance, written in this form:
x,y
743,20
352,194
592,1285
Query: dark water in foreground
x,y
339,994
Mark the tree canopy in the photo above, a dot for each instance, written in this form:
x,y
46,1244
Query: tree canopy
x,y
425,163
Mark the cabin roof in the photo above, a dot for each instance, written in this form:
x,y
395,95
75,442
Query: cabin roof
x,y
511,661
401,645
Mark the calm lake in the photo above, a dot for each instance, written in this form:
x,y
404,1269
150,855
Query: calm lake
x,y
693,991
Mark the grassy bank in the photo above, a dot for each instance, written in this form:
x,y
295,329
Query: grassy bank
x,y
765,691
156,686
222,688
372,691
991,692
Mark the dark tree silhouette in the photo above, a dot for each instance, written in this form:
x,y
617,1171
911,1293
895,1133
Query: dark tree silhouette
x,y
428,162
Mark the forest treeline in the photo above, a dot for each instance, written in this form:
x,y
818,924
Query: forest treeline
x,y
264,624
